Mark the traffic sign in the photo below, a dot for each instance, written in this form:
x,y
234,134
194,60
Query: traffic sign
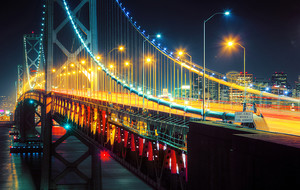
x,y
243,117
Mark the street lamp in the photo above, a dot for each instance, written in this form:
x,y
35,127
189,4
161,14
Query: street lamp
x,y
226,13
120,48
127,64
181,53
148,60
111,66
230,44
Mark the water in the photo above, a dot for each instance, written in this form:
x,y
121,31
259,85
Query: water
x,y
18,171
23,171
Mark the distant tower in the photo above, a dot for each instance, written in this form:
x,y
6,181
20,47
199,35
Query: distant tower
x,y
32,55
20,80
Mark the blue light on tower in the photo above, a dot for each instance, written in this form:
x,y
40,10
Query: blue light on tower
x,y
227,13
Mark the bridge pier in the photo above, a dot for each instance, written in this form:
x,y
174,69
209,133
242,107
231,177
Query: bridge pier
x,y
25,116
51,182
92,182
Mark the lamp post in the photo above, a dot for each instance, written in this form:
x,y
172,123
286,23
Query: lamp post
x,y
204,66
231,44
148,60
128,64
111,66
119,48
180,54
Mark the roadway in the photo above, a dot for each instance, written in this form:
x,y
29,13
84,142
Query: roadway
x,y
281,121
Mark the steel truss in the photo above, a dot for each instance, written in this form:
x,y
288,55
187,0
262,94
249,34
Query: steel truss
x,y
153,147
52,39
32,56
20,82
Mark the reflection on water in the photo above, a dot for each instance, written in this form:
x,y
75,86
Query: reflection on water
x,y
23,171
18,171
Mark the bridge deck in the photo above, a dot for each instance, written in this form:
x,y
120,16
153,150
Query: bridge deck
x,y
282,121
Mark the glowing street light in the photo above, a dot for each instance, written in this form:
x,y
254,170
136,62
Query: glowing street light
x,y
181,53
121,48
226,13
148,60
83,62
231,44
53,70
127,64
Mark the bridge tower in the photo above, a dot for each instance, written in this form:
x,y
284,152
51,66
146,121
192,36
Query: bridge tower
x,y
20,81
53,41
32,59
57,46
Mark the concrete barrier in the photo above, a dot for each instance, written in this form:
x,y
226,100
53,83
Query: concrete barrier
x,y
223,156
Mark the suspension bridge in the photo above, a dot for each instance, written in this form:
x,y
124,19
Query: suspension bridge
x,y
96,72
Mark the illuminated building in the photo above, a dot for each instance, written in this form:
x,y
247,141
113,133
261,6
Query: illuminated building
x,y
297,87
279,79
238,78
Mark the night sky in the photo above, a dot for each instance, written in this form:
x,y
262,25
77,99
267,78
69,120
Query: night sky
x,y
269,30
